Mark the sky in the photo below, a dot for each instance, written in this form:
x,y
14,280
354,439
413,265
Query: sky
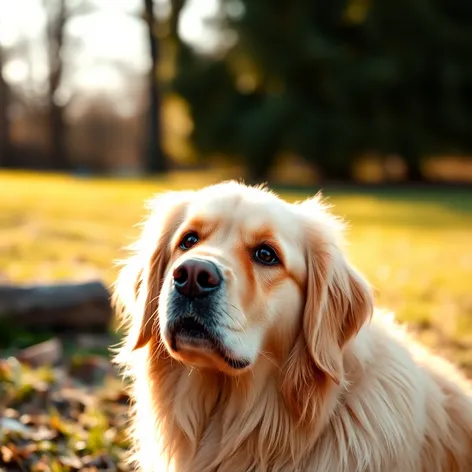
x,y
110,33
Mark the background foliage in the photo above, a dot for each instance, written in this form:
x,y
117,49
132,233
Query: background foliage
x,y
332,81
327,84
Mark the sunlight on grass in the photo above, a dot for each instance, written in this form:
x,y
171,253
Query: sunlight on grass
x,y
415,248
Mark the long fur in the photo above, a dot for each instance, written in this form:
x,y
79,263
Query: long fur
x,y
354,394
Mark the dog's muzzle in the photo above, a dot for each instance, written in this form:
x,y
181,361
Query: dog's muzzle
x,y
195,310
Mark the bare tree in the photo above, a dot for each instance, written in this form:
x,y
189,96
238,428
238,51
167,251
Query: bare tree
x,y
55,35
176,9
5,148
156,161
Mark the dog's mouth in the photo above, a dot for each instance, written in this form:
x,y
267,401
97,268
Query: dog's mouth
x,y
189,334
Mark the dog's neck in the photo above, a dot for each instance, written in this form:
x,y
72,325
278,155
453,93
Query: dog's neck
x,y
245,420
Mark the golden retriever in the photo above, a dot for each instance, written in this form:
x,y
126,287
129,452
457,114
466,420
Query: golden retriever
x,y
252,345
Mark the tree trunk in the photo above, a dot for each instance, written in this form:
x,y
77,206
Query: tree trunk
x,y
258,167
5,148
156,161
413,170
176,9
412,159
59,157
335,171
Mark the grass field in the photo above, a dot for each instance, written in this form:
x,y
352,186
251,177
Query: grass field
x,y
414,246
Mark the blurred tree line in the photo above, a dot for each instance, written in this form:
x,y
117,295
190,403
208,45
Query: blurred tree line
x,y
333,80
35,126
329,81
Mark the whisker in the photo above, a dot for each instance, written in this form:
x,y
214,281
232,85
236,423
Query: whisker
x,y
152,318
232,318
269,359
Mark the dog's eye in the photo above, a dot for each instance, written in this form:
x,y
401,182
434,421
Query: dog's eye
x,y
188,241
266,255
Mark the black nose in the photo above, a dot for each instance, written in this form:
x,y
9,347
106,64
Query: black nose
x,y
196,278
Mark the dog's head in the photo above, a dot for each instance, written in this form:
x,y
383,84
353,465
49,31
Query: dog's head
x,y
230,274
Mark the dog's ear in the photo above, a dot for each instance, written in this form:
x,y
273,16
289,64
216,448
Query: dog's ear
x,y
338,302
136,291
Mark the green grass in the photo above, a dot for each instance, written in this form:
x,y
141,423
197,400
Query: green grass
x,y
415,248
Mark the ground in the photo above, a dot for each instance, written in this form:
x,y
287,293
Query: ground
x,y
414,246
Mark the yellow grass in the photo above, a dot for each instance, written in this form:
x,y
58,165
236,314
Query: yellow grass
x,y
415,247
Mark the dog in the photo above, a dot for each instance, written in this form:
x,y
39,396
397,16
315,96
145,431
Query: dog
x,y
253,345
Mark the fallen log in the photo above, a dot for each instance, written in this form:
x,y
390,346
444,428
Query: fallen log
x,y
83,307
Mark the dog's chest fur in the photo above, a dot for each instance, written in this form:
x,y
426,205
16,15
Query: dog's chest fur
x,y
209,422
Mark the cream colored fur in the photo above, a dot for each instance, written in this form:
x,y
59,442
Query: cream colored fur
x,y
333,386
